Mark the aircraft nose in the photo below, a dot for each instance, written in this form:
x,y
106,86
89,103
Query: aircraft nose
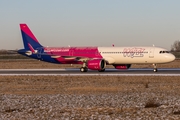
x,y
170,57
173,57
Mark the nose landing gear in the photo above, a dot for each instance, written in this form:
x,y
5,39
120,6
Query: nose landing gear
x,y
155,68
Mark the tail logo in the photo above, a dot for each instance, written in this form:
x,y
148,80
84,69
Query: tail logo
x,y
29,40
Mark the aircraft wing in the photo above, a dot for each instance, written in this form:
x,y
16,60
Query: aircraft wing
x,y
108,60
76,58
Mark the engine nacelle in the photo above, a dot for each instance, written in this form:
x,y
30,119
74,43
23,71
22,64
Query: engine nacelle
x,y
96,64
122,66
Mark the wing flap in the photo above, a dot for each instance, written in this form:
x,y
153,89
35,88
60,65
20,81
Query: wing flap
x,y
75,58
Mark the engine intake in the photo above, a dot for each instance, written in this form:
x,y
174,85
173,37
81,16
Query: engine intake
x,y
96,64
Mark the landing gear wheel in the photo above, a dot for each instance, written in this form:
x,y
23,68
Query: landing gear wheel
x,y
83,69
155,70
101,70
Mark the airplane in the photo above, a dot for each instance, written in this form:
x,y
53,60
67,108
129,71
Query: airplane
x,y
93,58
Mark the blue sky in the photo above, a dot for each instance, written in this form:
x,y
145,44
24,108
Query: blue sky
x,y
91,22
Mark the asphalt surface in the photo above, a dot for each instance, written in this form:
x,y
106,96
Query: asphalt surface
x,y
130,72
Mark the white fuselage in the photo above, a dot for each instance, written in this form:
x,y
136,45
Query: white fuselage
x,y
135,55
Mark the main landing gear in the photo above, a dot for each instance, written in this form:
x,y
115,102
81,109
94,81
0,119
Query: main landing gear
x,y
155,68
101,70
84,68
91,66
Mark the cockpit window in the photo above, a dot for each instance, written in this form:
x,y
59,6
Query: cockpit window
x,y
164,52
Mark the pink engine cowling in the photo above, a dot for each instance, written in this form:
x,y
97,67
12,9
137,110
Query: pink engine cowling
x,y
96,64
122,66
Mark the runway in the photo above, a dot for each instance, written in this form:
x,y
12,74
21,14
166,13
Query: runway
x,y
108,72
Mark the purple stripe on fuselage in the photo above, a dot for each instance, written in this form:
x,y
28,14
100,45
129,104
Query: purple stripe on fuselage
x,y
26,30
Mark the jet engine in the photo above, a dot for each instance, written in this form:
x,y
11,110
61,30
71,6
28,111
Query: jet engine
x,y
122,66
96,64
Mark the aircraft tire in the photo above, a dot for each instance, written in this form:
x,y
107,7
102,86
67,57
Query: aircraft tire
x,y
155,70
83,69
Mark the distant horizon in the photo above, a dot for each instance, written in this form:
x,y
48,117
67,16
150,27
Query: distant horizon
x,y
60,23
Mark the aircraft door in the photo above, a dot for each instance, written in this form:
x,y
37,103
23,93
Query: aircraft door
x,y
151,52
71,52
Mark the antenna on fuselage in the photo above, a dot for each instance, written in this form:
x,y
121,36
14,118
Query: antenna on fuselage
x,y
153,45
113,45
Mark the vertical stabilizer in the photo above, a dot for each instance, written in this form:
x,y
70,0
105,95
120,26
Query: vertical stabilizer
x,y
29,40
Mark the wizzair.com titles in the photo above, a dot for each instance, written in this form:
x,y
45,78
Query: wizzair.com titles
x,y
56,49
